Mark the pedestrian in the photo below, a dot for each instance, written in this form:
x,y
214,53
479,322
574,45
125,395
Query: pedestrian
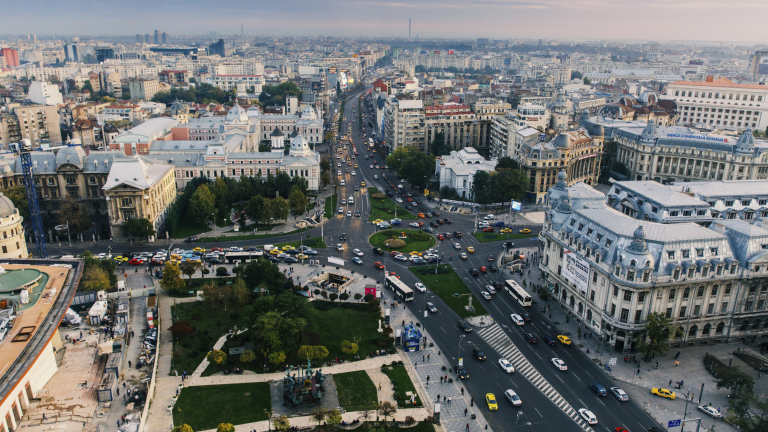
x,y
428,356
118,391
677,363
446,377
423,358
379,386
438,397
450,398
625,359
465,412
427,383
670,383
129,364
472,402
441,380
427,378
81,335
415,364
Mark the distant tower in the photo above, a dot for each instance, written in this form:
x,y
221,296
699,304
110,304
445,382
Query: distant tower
x,y
156,39
242,32
409,28
146,38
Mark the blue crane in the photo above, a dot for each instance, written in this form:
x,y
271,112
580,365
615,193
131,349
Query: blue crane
x,y
34,206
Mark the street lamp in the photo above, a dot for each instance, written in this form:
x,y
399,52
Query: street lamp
x,y
520,414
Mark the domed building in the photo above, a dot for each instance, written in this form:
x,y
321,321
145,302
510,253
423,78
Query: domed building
x,y
12,243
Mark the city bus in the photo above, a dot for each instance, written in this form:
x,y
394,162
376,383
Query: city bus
x,y
517,292
399,287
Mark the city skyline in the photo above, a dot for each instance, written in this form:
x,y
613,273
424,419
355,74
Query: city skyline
x,y
684,20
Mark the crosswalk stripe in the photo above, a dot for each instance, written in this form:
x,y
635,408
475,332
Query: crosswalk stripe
x,y
501,342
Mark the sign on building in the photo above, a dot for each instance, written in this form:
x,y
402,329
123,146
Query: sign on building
x,y
576,270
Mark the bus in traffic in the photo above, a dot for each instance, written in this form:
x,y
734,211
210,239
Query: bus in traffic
x,y
399,287
517,292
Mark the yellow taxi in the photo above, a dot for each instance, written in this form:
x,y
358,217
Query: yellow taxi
x,y
491,400
198,249
374,151
506,230
275,251
665,393
525,231
421,215
362,184
301,256
377,221
356,166
287,247
121,259
564,339
470,249
415,253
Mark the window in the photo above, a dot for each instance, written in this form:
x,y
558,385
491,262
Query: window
x,y
682,311
654,209
627,295
630,275
608,243
127,202
710,308
592,295
598,238
624,315
613,310
672,294
686,293
615,291
700,252
686,253
700,292
671,255
746,203
674,213
594,277
5,249
704,271
581,227
713,293
697,310
713,251
669,313
638,314
724,308
727,290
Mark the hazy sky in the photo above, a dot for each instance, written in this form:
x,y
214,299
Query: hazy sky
x,y
742,20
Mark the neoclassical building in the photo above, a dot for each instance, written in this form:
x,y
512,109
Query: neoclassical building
x,y
12,243
611,270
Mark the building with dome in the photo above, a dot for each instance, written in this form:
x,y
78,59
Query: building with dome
x,y
12,243
612,268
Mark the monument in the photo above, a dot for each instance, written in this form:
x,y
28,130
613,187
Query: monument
x,y
306,387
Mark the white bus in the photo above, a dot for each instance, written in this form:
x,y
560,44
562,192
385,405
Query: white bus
x,y
517,292
399,287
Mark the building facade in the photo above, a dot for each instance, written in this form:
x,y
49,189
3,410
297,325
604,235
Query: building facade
x,y
404,124
458,123
143,88
12,243
720,103
457,170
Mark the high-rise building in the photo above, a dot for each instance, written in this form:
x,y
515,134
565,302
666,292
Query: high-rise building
x,y
146,38
10,57
758,65
143,88
157,36
71,53
219,48
139,38
103,53
165,38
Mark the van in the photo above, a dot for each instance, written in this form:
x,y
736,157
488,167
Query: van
x,y
269,247
351,200
343,183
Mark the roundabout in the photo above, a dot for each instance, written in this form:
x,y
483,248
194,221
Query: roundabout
x,y
402,240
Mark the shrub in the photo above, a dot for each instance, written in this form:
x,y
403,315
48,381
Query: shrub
x,y
419,236
368,298
181,329
378,196
206,271
394,243
221,271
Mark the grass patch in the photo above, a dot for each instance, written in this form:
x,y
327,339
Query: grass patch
x,y
484,237
330,206
257,226
382,427
379,238
315,243
356,391
714,366
357,320
384,208
251,236
447,283
205,407
402,383
188,227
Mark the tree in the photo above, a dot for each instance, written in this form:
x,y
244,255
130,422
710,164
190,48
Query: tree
x,y
508,184
333,296
282,423
220,192
239,292
325,164
18,196
736,381
418,168
172,280
344,297
313,352
325,178
297,201
749,412
217,357
258,209
87,86
278,208
481,187
183,428
358,296
94,279
225,427
438,146
189,268
139,227
333,417
54,79
349,348
318,414
73,212
587,81
277,358
507,162
181,329
247,356
576,74
387,409
201,205
657,331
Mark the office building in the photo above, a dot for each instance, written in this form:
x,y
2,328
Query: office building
x,y
45,93
103,53
9,57
72,53
404,123
156,39
143,88
218,48
165,38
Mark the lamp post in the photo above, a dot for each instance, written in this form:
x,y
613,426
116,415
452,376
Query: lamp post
x,y
517,422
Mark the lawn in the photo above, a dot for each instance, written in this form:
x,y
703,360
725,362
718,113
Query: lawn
x,y
256,226
379,238
205,407
384,208
315,243
250,236
188,227
402,383
484,237
446,285
356,391
330,206
357,320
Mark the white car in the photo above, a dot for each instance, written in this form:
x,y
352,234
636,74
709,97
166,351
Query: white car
x,y
376,176
357,260
349,214
340,247
341,210
490,289
399,200
413,224
384,224
338,173
559,364
513,398
506,365
401,257
344,202
370,166
485,295
338,164
517,319
357,252
353,173
456,245
588,416
105,256
489,217
420,286
431,307
710,411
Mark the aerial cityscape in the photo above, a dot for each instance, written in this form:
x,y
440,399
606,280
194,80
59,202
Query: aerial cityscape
x,y
491,216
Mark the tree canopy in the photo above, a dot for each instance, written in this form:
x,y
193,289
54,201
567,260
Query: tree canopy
x,y
275,95
412,164
499,186
202,93
657,331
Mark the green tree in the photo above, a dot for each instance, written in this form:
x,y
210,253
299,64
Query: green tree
x,y
277,358
576,74
658,329
507,162
418,168
217,357
333,296
139,227
438,146
297,202
749,412
325,164
220,192
587,81
258,209
54,79
319,414
87,86
506,185
325,178
201,205
349,348
247,356
172,280
338,87
737,381
313,352
74,213
94,279
278,208
189,268
481,187
183,428
282,423
225,427
333,418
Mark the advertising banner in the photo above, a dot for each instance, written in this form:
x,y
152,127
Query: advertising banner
x,y
576,270
516,206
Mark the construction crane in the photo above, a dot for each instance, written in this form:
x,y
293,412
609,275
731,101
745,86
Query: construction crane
x,y
34,207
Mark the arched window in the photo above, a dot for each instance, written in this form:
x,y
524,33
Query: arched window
x,y
756,324
557,286
744,325
581,308
589,316
706,330
692,331
632,263
565,294
719,328
573,301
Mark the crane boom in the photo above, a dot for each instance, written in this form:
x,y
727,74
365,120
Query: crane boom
x,y
34,207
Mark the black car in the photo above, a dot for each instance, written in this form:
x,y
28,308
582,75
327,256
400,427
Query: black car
x,y
191,239
598,389
214,261
251,249
448,221
548,340
493,268
440,221
526,317
435,224
378,251
343,237
457,234
464,326
461,373
427,229
497,285
474,272
357,213
129,255
159,274
476,353
389,193
270,259
530,337
291,259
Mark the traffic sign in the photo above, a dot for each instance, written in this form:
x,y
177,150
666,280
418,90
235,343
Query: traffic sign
x,y
674,423
612,361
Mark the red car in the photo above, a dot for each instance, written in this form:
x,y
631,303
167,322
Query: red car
x,y
483,269
136,261
216,249
394,253
489,229
440,237
394,274
378,265
421,224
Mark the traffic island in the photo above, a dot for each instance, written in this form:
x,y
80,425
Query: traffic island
x,y
447,285
384,208
409,239
485,237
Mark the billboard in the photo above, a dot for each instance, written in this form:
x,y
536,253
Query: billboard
x,y
576,270
516,206
450,52
437,52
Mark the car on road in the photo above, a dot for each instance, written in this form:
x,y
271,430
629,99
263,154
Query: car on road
x,y
457,234
489,229
489,217
564,339
548,340
427,229
290,260
598,389
505,230
136,261
341,210
478,354
619,394
357,213
464,326
105,256
461,372
517,319
420,286
357,252
355,260
530,337
665,393
512,397
463,255
401,257
491,257
474,272
431,307
485,295
159,274
506,365
120,258
413,224
483,269
399,200
490,399
421,215
525,231
340,247
493,268
457,245
710,411
588,416
559,364
490,289
378,265
349,214
470,249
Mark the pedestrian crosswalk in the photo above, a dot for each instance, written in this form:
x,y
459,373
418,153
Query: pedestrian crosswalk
x,y
499,341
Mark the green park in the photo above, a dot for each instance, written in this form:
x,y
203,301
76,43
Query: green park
x,y
446,284
402,240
